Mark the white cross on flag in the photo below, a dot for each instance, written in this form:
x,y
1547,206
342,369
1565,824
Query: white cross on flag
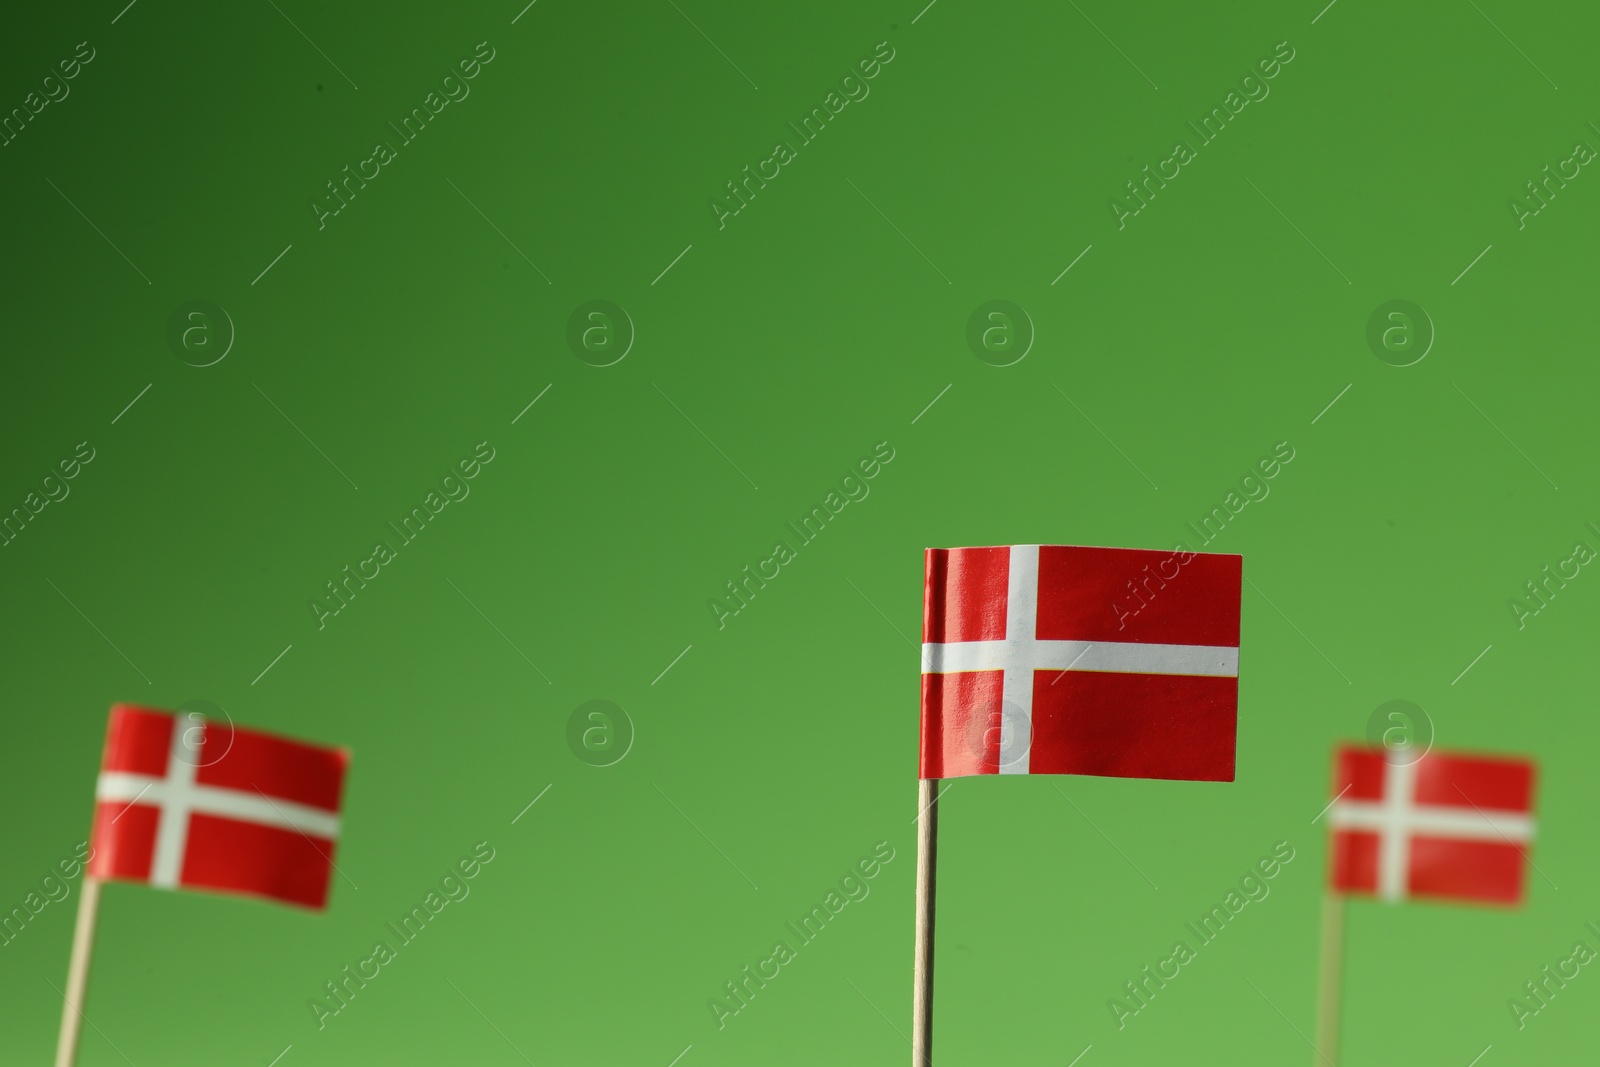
x,y
187,803
1444,825
1059,659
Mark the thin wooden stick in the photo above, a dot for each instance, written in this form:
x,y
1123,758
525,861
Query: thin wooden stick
x,y
1330,980
78,971
922,970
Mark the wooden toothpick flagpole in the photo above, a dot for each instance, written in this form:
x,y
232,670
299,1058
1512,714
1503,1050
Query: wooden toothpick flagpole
x,y
78,971
1329,981
922,970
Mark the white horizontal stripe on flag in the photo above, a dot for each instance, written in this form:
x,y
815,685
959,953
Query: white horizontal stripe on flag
x,y
212,800
1116,657
1433,821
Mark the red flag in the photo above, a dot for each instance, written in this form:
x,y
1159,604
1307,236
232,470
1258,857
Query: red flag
x,y
1058,659
1445,825
186,803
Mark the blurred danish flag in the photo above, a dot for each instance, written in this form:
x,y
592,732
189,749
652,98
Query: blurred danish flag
x,y
1442,825
184,802
1058,659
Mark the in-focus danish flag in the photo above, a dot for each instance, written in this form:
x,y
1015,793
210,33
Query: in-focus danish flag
x,y
1445,825
1059,659
187,803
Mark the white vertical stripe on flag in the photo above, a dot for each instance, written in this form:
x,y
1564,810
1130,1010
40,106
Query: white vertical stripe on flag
x,y
1394,840
172,832
1016,687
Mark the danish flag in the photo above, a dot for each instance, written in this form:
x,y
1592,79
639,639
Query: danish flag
x,y
1058,659
188,803
1450,826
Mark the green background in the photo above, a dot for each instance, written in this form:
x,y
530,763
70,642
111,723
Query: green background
x,y
1222,320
